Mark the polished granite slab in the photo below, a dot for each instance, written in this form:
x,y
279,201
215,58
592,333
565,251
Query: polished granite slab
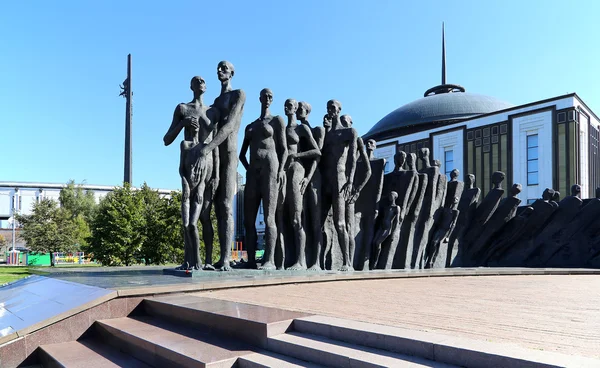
x,y
149,278
34,299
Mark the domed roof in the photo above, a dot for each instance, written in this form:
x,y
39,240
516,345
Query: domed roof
x,y
443,103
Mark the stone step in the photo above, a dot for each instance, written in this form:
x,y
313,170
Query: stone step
x,y
388,338
269,359
332,353
441,348
250,323
164,344
85,354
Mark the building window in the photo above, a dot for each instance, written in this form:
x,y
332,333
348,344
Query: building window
x,y
448,162
388,167
532,160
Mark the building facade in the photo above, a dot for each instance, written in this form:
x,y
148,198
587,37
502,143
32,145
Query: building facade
x,y
551,143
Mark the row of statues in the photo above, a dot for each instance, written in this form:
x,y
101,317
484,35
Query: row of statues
x,y
328,205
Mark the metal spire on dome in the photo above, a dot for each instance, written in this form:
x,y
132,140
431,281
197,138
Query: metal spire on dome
x,y
444,88
443,55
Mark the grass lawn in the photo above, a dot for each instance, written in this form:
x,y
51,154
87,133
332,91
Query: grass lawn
x,y
12,273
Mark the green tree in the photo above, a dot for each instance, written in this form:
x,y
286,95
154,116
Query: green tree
x,y
48,228
118,228
81,204
78,201
174,227
161,237
3,241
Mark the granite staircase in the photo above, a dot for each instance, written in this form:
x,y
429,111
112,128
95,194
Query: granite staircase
x,y
190,331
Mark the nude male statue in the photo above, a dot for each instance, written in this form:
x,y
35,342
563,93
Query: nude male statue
x,y
361,153
311,188
230,104
265,177
339,165
199,173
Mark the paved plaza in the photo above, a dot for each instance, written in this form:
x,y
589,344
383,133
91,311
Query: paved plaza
x,y
558,313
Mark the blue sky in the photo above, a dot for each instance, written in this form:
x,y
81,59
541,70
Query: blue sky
x,y
62,62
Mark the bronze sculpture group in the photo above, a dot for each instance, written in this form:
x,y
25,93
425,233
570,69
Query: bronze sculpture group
x,y
328,205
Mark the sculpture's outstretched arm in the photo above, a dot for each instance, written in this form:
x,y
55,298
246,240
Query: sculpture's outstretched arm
x,y
351,157
313,151
363,153
175,128
313,166
280,142
245,145
232,124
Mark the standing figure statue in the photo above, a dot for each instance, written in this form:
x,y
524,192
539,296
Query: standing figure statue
x,y
265,177
441,237
199,173
230,104
311,188
339,165
435,193
388,232
302,150
367,206
363,172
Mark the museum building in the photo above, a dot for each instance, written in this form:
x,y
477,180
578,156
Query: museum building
x,y
551,143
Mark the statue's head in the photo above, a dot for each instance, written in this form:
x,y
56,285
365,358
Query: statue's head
x,y
266,97
437,163
393,196
225,70
327,121
346,121
333,108
371,145
303,111
576,190
497,177
548,194
470,181
198,85
424,154
290,107
454,174
399,159
411,161
515,189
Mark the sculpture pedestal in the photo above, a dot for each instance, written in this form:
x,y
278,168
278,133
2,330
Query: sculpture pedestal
x,y
182,273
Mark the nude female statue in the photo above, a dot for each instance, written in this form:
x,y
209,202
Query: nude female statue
x,y
199,173
265,177
310,186
302,150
